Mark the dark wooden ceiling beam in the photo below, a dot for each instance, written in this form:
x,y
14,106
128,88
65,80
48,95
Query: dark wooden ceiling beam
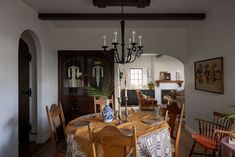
x,y
136,3
118,16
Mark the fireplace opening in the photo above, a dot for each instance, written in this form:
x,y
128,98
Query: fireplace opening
x,y
165,92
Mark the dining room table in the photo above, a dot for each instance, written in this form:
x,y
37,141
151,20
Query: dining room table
x,y
153,133
226,149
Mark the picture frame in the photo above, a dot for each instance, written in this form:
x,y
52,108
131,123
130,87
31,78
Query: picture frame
x,y
209,75
162,75
167,76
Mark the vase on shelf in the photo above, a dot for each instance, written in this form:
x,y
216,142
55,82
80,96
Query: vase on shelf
x,y
107,113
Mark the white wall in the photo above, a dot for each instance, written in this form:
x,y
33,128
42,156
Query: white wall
x,y
15,17
155,65
171,65
214,37
143,62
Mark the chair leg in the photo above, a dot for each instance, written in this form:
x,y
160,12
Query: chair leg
x,y
205,152
214,155
192,149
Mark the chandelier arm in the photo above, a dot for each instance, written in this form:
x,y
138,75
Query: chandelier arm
x,y
133,59
116,55
129,55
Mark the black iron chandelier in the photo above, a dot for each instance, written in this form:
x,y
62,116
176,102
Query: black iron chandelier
x,y
133,51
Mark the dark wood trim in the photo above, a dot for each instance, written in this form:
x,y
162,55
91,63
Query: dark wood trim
x,y
136,3
179,82
118,16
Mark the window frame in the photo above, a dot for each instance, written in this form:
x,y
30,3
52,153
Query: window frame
x,y
138,80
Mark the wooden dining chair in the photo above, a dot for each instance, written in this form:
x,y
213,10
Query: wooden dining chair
x,y
115,142
206,136
100,102
174,119
56,122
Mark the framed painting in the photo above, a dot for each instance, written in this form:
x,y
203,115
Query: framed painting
x,y
162,75
167,76
209,75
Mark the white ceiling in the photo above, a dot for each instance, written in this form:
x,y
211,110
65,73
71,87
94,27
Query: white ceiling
x,y
86,6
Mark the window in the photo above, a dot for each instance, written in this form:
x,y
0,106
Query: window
x,y
136,76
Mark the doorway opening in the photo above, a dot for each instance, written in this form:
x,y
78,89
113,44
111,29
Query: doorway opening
x,y
27,79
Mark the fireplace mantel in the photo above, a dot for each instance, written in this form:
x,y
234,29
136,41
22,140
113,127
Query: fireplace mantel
x,y
179,82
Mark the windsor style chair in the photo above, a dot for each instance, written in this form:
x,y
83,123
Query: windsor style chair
x,y
206,136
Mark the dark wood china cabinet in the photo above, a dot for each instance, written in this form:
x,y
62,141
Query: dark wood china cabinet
x,y
78,70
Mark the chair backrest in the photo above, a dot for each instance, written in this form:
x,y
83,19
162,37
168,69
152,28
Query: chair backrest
x,y
175,118
178,133
113,141
56,122
174,111
219,134
100,102
207,128
222,122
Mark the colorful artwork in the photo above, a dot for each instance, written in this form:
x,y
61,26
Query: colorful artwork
x,y
209,75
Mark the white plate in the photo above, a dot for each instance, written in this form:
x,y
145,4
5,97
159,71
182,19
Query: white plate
x,y
152,121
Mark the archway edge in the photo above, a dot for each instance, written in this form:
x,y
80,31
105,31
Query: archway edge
x,y
38,52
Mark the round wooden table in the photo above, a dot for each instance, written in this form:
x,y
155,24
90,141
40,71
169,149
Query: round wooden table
x,y
153,135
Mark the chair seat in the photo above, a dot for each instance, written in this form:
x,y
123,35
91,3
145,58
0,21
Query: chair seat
x,y
205,141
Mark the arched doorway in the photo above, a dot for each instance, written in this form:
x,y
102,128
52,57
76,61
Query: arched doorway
x,y
27,71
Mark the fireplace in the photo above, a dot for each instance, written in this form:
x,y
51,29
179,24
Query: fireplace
x,y
165,92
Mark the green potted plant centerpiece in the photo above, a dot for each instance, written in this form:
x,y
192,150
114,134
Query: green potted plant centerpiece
x,y
231,116
105,91
151,85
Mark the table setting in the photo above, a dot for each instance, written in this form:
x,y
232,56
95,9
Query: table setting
x,y
152,133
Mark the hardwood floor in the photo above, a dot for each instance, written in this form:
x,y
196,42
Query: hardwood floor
x,y
186,142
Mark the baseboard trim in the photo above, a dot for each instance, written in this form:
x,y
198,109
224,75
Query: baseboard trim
x,y
43,139
190,130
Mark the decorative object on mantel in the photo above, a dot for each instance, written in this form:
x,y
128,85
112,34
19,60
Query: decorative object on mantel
x,y
133,51
209,75
162,75
165,75
179,82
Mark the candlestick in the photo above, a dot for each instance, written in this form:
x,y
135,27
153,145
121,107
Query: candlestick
x,y
119,111
126,110
125,92
119,91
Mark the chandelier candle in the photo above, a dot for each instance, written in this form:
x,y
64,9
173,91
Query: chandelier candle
x,y
115,37
104,37
140,40
133,33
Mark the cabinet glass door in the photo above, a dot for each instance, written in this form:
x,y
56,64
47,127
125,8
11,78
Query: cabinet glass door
x,y
73,76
